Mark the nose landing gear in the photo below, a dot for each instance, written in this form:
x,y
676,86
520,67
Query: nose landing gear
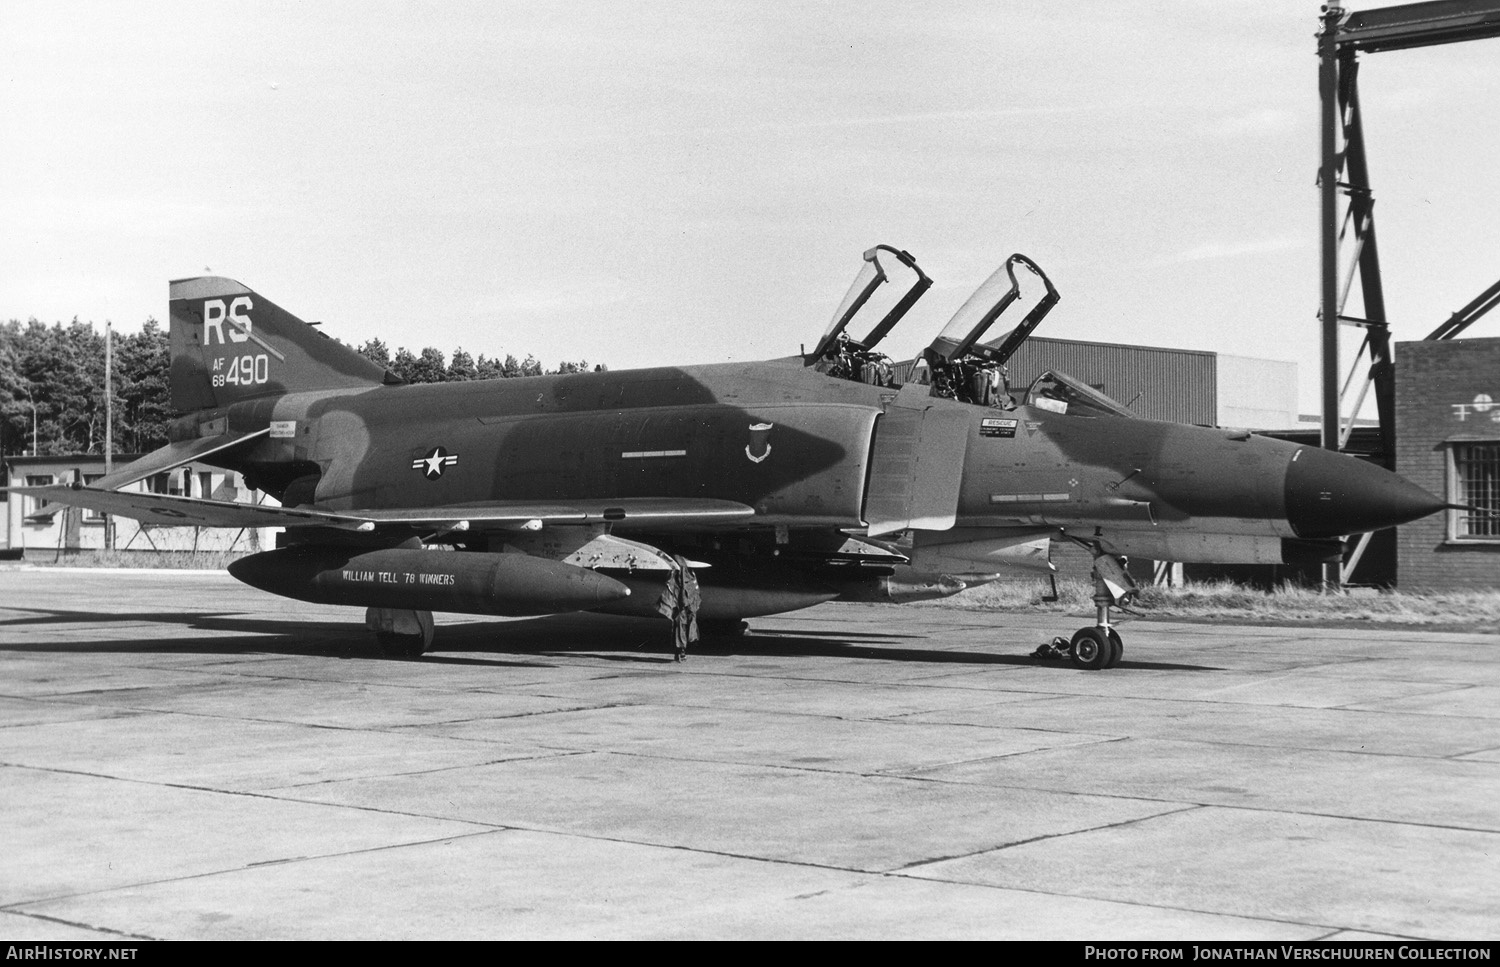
x,y
1099,645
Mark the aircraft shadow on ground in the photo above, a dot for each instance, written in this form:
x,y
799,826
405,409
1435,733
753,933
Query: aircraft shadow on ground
x,y
604,637
236,634
793,644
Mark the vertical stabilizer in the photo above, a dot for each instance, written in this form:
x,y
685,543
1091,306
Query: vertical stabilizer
x,y
231,344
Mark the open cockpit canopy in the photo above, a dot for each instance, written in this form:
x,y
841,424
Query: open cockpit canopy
x,y
961,367
957,364
960,337
866,300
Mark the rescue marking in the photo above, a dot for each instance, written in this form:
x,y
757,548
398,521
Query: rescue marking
x,y
283,429
1029,498
651,454
759,437
434,463
1005,429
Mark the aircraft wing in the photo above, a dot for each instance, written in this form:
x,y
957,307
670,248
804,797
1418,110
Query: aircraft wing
x,y
655,511
169,509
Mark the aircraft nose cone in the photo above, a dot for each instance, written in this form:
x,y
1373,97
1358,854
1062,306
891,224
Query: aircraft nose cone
x,y
1330,495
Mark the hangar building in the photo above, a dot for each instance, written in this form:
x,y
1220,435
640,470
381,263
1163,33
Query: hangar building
x,y
1180,385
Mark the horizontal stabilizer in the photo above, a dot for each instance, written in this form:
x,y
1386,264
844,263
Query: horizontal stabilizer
x,y
187,511
172,456
168,509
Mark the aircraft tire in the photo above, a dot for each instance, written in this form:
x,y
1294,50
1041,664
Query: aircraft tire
x,y
394,644
400,646
729,628
1117,650
1092,648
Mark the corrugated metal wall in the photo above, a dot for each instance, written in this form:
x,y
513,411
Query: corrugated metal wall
x,y
1166,384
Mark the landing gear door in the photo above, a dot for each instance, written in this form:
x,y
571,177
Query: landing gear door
x,y
916,465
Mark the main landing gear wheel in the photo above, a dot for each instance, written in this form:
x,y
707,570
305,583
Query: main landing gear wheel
x,y
723,627
392,645
400,633
1093,648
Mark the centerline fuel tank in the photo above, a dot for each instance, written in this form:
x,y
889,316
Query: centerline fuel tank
x,y
466,583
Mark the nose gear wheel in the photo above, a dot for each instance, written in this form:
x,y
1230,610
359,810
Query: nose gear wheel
x,y
1097,646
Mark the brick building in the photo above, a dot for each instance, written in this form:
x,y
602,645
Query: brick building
x,y
1448,442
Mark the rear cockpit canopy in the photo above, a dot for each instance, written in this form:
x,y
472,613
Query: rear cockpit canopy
x,y
961,367
960,337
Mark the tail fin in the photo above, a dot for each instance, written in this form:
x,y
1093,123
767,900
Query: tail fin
x,y
231,344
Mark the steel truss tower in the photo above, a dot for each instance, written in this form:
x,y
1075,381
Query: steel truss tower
x,y
1344,176
1348,216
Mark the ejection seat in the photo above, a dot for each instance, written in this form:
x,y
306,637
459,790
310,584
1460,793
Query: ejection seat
x,y
967,370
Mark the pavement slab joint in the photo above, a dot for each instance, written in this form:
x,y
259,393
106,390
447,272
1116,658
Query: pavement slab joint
x,y
847,771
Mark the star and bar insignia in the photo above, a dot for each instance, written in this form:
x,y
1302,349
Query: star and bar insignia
x,y
434,463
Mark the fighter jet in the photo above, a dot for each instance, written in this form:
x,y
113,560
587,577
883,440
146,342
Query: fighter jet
x,y
711,494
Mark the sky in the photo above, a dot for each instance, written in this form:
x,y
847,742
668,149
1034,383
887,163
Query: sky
x,y
641,183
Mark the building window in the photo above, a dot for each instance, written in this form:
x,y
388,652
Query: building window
x,y
36,505
1475,476
94,516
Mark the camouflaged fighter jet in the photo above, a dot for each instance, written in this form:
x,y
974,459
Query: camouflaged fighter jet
x,y
831,475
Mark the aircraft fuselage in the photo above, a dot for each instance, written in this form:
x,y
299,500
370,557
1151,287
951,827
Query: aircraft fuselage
x,y
807,450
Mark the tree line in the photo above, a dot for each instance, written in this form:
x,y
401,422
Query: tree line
x,y
429,366
52,384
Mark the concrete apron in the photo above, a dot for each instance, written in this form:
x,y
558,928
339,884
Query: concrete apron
x,y
189,758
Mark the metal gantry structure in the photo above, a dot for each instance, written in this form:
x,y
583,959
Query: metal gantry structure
x,y
1348,216
1344,174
